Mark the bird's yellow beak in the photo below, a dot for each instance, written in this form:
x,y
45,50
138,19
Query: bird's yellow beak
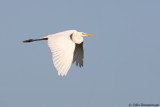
x,y
87,34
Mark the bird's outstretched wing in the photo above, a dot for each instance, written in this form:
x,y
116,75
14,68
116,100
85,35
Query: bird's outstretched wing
x,y
78,55
62,48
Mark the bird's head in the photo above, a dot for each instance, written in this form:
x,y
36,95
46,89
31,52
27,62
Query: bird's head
x,y
77,37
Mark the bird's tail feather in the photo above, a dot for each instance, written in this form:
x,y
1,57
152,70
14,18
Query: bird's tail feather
x,y
32,40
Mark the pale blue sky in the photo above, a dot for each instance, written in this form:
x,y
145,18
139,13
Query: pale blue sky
x,y
122,62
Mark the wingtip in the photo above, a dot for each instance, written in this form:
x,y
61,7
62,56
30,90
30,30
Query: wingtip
x,y
62,74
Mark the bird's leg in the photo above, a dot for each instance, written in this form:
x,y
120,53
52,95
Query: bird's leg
x,y
32,40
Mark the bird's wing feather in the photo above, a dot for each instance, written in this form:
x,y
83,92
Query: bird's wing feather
x,y
62,48
78,55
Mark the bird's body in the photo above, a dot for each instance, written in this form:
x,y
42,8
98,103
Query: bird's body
x,y
66,48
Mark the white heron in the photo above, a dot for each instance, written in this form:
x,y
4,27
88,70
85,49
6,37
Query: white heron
x,y
66,48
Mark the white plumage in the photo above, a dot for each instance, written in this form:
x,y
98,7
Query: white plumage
x,y
62,46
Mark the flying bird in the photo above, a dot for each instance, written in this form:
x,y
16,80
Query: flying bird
x,y
66,48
